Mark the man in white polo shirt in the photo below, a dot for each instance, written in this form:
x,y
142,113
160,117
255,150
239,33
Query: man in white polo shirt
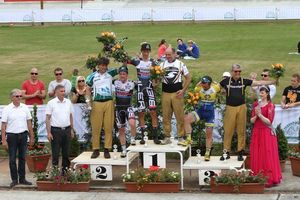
x,y
59,125
16,122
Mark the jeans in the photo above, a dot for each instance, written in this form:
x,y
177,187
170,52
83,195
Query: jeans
x,y
61,140
17,143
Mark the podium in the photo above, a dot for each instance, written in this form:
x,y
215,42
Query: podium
x,y
206,169
101,168
158,148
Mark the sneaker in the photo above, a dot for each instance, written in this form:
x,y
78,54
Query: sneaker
x,y
25,182
95,154
123,154
132,141
106,154
184,142
207,155
240,156
167,140
227,157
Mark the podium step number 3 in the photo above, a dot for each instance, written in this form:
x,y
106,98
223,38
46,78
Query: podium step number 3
x,y
154,159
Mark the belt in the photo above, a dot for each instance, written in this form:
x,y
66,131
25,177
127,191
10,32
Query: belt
x,y
7,133
61,128
103,100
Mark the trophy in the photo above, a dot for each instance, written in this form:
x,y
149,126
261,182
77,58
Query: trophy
x,y
225,154
115,150
146,139
172,141
198,151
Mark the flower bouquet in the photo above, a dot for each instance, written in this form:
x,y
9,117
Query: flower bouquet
x,y
153,179
112,47
156,72
193,98
277,70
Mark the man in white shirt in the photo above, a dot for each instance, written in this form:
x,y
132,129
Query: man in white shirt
x,y
59,125
265,76
16,123
59,80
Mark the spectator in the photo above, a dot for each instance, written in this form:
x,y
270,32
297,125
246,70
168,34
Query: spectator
x,y
161,49
265,77
173,90
124,111
74,77
33,90
79,91
59,126
16,124
263,146
181,48
192,51
291,94
58,72
205,111
236,110
103,106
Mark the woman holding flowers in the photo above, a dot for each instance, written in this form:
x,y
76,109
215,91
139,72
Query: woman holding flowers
x,y
263,145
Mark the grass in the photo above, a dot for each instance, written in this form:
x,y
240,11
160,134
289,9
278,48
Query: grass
x,y
254,45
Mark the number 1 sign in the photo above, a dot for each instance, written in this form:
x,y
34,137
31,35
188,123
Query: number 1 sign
x,y
154,159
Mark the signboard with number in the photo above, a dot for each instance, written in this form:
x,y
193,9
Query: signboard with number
x,y
205,175
154,159
101,172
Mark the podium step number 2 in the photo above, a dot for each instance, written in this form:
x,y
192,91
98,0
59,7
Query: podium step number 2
x,y
101,172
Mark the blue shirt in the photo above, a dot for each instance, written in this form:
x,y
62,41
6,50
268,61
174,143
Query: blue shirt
x,y
182,47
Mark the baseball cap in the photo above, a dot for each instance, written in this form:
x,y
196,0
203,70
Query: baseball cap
x,y
123,69
226,74
145,46
206,79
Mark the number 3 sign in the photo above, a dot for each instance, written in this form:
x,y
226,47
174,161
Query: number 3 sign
x,y
101,172
154,159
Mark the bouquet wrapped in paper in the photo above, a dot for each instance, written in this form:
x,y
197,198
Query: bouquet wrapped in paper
x,y
277,70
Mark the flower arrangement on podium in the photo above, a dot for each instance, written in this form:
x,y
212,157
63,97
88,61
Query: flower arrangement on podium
x,y
112,47
152,179
71,179
294,156
238,181
38,155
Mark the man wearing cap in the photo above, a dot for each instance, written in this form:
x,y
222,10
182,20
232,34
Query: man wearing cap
x,y
173,89
102,114
236,110
145,92
124,111
205,111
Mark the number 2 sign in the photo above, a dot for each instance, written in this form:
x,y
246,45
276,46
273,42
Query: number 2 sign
x,y
101,172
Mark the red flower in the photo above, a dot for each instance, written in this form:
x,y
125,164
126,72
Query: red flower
x,y
85,166
154,168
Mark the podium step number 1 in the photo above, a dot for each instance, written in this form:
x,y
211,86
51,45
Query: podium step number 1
x,y
154,159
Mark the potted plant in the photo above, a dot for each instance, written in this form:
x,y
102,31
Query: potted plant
x,y
294,156
235,181
71,180
38,155
282,146
153,179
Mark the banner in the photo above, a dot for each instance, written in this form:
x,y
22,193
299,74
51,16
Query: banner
x,y
288,118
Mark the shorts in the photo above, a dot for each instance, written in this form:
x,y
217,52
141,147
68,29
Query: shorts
x,y
206,112
123,114
145,97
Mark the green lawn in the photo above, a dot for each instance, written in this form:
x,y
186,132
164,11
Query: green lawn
x,y
255,45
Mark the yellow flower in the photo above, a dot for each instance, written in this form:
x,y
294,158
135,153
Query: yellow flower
x,y
117,46
189,100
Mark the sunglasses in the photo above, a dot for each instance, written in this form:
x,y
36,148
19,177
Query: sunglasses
x,y
33,73
80,81
18,96
264,75
237,71
58,74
